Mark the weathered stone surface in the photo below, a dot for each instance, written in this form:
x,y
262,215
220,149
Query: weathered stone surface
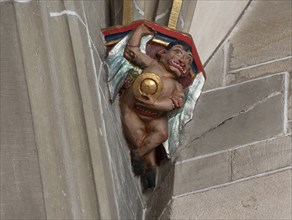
x,y
163,9
21,187
235,115
262,122
261,157
267,197
121,196
95,25
159,198
149,9
116,12
248,160
127,187
210,25
258,71
215,70
201,173
186,15
166,212
263,34
290,97
261,44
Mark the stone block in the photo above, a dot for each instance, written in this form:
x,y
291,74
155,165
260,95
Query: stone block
x,y
262,122
26,204
234,116
158,199
201,173
259,71
215,70
210,26
95,24
186,13
266,197
127,188
162,8
261,157
263,34
84,11
126,185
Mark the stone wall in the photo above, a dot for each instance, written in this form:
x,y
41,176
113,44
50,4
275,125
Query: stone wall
x,y
240,137
63,155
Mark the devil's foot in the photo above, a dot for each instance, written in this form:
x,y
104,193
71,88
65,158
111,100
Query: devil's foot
x,y
148,179
137,165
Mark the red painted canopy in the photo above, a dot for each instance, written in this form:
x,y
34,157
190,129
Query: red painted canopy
x,y
162,38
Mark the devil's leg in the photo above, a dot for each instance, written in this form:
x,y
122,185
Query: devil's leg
x,y
156,134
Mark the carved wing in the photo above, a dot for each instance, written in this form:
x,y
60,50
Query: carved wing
x,y
179,118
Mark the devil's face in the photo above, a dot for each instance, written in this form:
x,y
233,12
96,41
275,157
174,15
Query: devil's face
x,y
176,60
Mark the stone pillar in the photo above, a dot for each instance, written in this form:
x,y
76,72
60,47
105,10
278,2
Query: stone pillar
x,y
21,184
79,166
57,112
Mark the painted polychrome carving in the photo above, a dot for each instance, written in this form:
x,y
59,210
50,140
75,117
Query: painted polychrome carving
x,y
158,76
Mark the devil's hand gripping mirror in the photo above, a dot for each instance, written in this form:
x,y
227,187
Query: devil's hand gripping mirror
x,y
158,76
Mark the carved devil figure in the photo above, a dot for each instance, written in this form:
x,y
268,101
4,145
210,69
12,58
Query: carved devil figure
x,y
150,91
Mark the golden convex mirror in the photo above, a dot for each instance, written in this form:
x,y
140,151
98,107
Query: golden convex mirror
x,y
148,84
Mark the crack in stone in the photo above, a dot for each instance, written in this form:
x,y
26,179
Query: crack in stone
x,y
273,94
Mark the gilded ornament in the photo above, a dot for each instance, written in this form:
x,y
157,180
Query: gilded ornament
x,y
149,84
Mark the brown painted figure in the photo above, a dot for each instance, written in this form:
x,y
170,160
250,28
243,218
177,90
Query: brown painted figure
x,y
145,104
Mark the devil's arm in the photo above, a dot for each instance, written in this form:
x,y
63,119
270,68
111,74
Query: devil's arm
x,y
132,50
174,101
